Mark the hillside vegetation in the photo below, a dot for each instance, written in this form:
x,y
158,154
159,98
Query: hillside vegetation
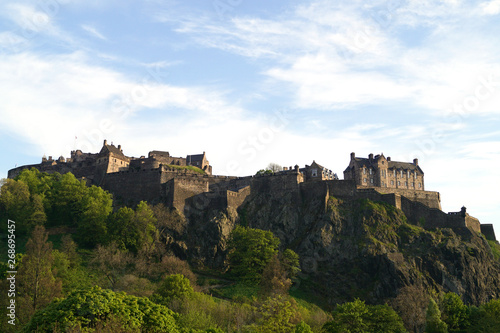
x,y
283,263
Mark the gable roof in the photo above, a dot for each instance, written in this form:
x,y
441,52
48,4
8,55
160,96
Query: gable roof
x,y
108,149
195,158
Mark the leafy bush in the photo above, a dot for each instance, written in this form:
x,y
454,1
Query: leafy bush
x,y
86,309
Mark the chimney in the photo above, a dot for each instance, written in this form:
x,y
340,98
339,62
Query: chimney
x,y
353,156
370,157
120,148
105,142
415,161
388,158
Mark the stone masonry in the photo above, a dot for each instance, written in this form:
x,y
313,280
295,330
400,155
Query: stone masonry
x,y
163,178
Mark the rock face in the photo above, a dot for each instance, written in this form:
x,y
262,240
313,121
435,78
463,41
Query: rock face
x,y
352,248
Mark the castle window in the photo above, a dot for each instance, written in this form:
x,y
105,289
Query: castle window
x,y
364,180
419,185
383,173
399,183
392,182
314,172
413,185
364,171
371,180
415,174
370,171
406,184
394,173
401,173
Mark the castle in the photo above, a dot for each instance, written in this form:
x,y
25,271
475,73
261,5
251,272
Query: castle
x,y
188,184
379,171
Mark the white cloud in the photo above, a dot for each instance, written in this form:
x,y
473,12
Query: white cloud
x,y
93,31
337,55
51,99
491,7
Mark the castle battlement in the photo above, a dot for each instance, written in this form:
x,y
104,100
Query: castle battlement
x,y
171,180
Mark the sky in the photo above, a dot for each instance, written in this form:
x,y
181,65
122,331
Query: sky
x,y
255,82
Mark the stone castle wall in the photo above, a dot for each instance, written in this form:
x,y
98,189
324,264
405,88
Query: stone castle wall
x,y
181,189
131,187
236,199
429,198
488,231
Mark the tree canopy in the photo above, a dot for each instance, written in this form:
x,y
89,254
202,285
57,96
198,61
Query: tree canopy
x,y
87,309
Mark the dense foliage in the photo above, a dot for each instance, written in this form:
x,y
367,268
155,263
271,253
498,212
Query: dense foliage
x,y
97,307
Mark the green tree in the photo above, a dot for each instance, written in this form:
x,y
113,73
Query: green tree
x,y
96,206
290,262
349,317
357,317
454,312
434,324
84,310
172,287
73,277
276,315
134,231
486,318
121,229
250,250
37,284
38,182
66,200
145,221
16,204
302,327
383,319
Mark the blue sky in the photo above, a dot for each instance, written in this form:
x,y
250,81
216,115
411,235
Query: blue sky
x,y
254,82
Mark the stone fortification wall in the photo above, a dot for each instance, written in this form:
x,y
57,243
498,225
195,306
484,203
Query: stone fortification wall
x,y
390,198
180,189
428,198
488,231
225,183
472,223
341,188
144,163
236,198
418,213
130,187
277,182
429,218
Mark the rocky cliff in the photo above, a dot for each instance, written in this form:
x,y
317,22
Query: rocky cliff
x,y
349,247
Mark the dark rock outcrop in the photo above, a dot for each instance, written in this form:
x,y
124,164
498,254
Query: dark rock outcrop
x,y
352,248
